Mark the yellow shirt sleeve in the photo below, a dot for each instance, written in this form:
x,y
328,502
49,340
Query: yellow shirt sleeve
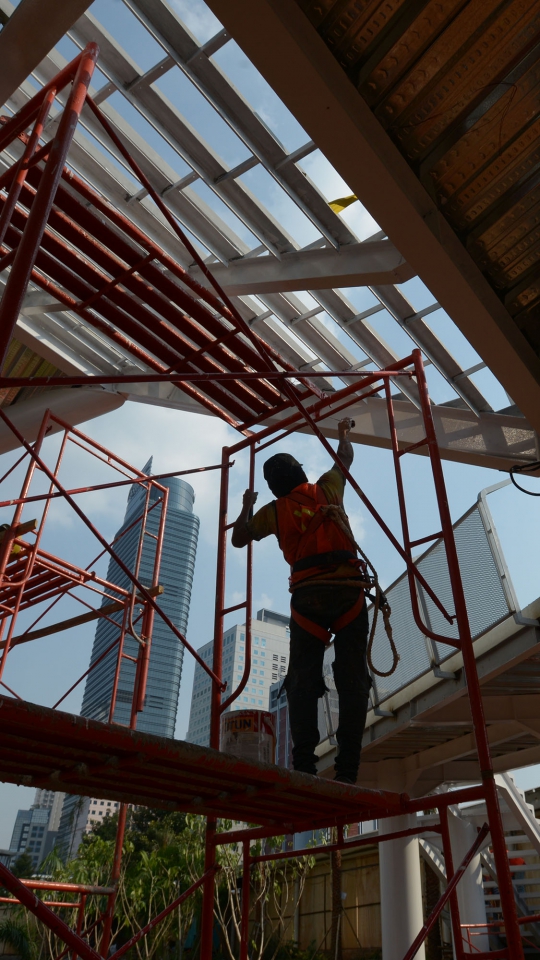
x,y
263,523
333,485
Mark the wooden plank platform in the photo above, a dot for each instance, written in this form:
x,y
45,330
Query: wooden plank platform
x,y
61,751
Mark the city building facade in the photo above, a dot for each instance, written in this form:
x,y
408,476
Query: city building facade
x,y
176,576
269,662
36,830
166,656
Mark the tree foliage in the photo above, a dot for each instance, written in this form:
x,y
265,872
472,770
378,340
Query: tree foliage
x,y
14,933
23,866
163,855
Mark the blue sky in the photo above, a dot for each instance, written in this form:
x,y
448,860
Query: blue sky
x,y
42,670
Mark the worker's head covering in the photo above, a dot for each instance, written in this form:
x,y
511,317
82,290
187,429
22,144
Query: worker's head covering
x,y
283,473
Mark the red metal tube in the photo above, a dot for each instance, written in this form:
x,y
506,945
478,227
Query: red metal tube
x,y
164,913
45,914
454,905
86,672
451,886
21,167
185,377
31,239
307,415
119,654
77,274
5,547
80,513
104,486
125,343
217,664
345,845
259,345
405,527
58,886
249,598
207,912
104,248
48,903
80,922
115,876
504,878
9,175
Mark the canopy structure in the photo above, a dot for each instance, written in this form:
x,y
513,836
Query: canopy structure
x,y
326,290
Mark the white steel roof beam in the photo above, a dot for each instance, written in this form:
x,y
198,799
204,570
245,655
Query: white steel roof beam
x,y
173,36
355,265
182,137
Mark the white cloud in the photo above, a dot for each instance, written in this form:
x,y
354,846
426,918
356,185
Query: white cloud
x,y
197,17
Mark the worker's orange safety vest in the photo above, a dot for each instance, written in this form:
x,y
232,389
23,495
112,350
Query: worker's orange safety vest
x,y
312,543
303,531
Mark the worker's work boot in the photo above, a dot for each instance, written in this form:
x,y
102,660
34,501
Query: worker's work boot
x,y
341,778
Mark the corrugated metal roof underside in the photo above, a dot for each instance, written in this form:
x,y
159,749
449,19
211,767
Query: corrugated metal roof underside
x,y
456,85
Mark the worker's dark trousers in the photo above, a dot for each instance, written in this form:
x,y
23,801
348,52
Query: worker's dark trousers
x,y
304,682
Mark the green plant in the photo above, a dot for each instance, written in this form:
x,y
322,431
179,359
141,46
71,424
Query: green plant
x,y
12,932
23,866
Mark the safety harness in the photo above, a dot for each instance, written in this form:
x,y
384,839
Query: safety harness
x,y
307,524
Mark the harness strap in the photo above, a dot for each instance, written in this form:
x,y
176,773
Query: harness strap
x,y
330,558
346,618
320,632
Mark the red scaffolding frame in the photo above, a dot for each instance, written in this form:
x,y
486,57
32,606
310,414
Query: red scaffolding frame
x,y
105,270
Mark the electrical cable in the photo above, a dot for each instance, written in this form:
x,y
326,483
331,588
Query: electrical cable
x,y
521,468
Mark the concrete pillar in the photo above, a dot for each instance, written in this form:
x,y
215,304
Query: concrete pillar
x,y
401,889
470,891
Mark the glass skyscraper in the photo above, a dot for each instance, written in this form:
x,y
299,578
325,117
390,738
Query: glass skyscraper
x,y
176,576
166,653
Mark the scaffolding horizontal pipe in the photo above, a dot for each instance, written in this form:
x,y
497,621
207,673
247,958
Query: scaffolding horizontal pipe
x,y
7,383
345,845
109,486
68,904
58,887
78,621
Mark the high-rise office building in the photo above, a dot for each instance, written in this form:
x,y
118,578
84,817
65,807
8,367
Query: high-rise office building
x,y
176,576
166,654
35,830
269,662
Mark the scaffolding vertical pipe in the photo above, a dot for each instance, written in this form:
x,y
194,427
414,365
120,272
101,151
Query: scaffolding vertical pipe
x,y
80,921
149,612
207,912
37,219
504,878
115,877
217,663
449,863
22,167
414,586
5,547
244,916
119,658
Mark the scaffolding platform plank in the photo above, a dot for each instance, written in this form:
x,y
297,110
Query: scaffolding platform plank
x,y
48,748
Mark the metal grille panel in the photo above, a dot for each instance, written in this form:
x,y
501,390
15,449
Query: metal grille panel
x,y
486,604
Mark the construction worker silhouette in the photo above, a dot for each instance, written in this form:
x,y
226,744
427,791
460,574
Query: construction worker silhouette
x,y
327,583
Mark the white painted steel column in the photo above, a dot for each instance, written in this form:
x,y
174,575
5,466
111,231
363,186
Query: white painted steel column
x,y
401,889
470,891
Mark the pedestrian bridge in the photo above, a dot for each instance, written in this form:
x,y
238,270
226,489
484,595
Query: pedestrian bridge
x,y
419,731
